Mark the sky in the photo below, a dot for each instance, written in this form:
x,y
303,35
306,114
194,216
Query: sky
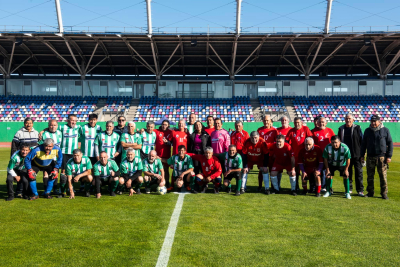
x,y
199,16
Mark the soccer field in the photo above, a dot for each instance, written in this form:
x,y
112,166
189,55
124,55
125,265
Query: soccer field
x,y
213,230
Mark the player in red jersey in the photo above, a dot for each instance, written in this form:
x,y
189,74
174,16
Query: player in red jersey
x,y
285,128
322,137
239,136
255,152
310,163
269,134
210,125
282,155
163,146
179,137
211,171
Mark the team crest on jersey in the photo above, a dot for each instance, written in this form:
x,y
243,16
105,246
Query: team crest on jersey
x,y
258,150
317,134
87,132
284,154
160,134
262,133
206,169
177,136
204,164
294,135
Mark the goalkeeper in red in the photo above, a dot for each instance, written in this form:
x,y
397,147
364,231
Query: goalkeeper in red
x,y
310,164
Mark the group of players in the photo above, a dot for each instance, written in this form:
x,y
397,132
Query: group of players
x,y
127,159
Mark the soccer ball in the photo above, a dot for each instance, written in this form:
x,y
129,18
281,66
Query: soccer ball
x,y
161,190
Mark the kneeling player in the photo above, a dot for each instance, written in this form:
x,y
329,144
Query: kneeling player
x,y
105,171
255,152
131,171
310,164
282,155
16,172
211,170
182,166
153,171
46,157
79,168
337,158
232,166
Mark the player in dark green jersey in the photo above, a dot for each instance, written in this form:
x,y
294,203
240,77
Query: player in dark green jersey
x,y
232,166
17,172
106,172
79,168
153,171
131,172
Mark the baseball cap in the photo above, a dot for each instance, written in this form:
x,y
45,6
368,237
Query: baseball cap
x,y
375,118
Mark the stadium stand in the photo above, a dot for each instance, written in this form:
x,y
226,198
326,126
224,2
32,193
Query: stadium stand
x,y
335,108
117,105
44,108
228,109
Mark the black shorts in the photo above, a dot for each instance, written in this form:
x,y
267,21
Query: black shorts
x,y
143,155
65,159
93,160
133,177
47,169
333,169
233,175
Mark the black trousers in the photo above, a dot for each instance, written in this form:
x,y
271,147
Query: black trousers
x,y
196,164
358,174
23,183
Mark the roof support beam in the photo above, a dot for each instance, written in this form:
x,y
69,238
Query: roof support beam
x,y
244,66
104,48
183,55
73,57
298,59
389,49
34,58
170,66
226,68
234,51
3,70
328,16
11,59
16,68
378,72
285,48
392,62
143,61
293,65
252,53
91,57
313,60
96,65
170,57
155,57
377,58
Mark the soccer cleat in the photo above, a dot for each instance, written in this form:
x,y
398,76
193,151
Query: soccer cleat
x,y
361,194
188,188
119,192
168,189
369,195
204,189
10,198
267,192
57,192
216,190
138,192
323,190
293,192
327,194
275,191
34,197
237,193
228,189
147,190
347,195
112,194
47,196
242,191
87,194
318,195
384,196
259,189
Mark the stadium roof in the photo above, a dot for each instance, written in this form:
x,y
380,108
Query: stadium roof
x,y
277,54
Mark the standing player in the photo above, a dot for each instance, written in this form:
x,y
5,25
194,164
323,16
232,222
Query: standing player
x,y
268,133
182,166
120,129
310,164
79,168
211,170
239,136
180,137
322,137
105,171
337,158
210,125
131,172
107,141
48,158
16,172
192,120
285,128
295,138
131,139
163,146
89,133
153,171
232,167
255,152
220,139
148,140
283,157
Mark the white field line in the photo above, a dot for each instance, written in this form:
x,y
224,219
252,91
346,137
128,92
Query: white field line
x,y
165,252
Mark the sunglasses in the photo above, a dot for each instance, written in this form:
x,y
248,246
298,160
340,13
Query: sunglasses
x,y
121,120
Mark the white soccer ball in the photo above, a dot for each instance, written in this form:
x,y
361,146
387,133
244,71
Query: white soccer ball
x,y
161,190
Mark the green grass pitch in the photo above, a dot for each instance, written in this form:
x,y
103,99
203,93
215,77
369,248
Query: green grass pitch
x,y
213,230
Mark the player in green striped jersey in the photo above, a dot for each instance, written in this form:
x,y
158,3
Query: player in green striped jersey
x,y
131,139
131,171
79,168
182,165
232,166
153,171
107,141
89,133
16,171
53,133
148,140
105,171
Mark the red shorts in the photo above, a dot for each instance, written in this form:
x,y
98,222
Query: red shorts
x,y
205,176
279,168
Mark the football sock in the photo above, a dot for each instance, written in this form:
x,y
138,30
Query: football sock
x,y
244,180
328,184
32,184
114,185
260,179
292,182
217,182
279,180
63,188
318,188
192,181
50,184
138,186
45,181
274,181
87,186
238,184
346,185
266,180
